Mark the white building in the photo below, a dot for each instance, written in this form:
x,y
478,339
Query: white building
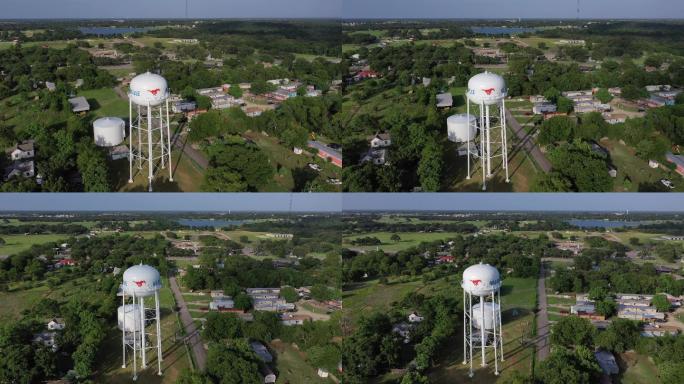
x,y
56,324
23,150
415,318
381,140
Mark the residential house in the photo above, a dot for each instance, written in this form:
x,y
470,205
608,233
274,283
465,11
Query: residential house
x,y
23,150
415,318
20,168
56,324
219,304
607,362
404,330
542,108
327,153
49,339
381,140
290,319
183,106
445,100
677,160
79,104
261,351
119,152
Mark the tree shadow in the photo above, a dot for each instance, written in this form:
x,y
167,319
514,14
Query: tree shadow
x,y
302,176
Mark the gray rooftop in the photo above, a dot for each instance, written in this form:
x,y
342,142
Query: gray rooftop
x,y
444,100
79,104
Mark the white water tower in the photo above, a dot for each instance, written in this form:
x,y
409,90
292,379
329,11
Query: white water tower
x,y
482,321
149,94
109,131
488,91
139,282
462,128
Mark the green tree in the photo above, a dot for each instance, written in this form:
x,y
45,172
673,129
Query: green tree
x,y
620,336
555,129
430,166
661,303
573,331
233,364
565,366
604,96
289,294
606,307
395,237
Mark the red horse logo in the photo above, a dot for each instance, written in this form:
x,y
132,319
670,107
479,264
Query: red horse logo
x,y
154,91
489,91
139,283
476,282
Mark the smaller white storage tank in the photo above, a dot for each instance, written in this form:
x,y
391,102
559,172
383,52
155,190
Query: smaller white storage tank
x,y
461,127
131,312
489,317
109,131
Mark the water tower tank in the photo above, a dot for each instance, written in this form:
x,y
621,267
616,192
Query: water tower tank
x,y
481,280
131,312
489,317
461,127
141,281
148,89
109,131
488,88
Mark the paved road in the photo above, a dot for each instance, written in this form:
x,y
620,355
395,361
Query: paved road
x,y
193,338
181,143
542,342
527,143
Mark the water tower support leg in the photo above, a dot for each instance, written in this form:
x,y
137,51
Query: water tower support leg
x,y
498,293
494,320
467,178
135,348
482,330
168,140
130,141
150,158
159,344
470,333
465,334
503,138
483,133
123,331
161,136
489,142
142,332
139,140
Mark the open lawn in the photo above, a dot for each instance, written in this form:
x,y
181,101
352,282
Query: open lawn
x,y
637,369
408,240
175,353
292,171
636,170
17,243
292,366
105,102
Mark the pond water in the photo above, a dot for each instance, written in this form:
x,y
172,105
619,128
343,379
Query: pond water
x,y
593,223
107,31
501,30
210,222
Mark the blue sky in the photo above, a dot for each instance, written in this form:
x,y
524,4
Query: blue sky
x,y
334,202
211,202
170,8
512,8
664,202
341,8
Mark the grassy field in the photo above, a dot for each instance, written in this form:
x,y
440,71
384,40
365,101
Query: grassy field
x,y
105,102
175,354
187,175
408,240
636,169
518,298
292,366
638,369
292,167
518,301
17,243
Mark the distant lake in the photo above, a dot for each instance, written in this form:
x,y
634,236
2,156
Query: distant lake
x,y
110,30
501,30
210,223
584,223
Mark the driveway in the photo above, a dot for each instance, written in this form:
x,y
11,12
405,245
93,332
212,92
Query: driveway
x,y
527,143
192,333
542,342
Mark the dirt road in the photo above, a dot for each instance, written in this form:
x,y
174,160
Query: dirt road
x,y
527,143
192,333
543,342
